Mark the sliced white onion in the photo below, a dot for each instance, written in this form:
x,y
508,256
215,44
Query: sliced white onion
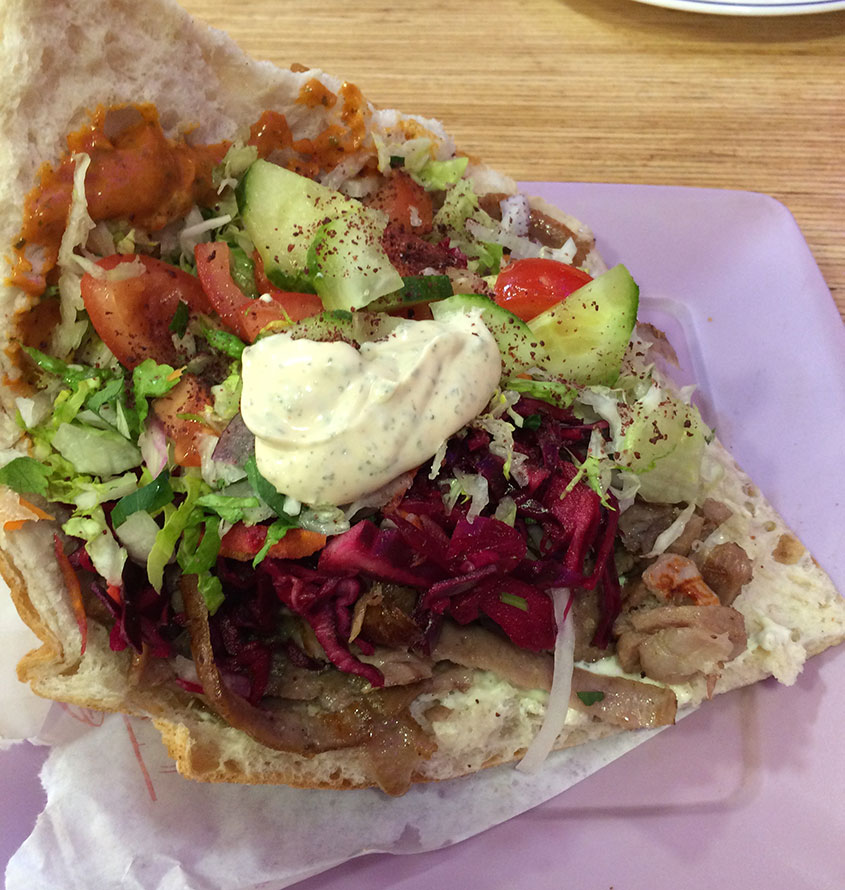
x,y
360,186
216,471
153,445
138,535
474,485
516,215
558,705
190,233
671,534
185,669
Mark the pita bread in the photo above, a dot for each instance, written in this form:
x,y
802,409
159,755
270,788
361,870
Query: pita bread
x,y
94,53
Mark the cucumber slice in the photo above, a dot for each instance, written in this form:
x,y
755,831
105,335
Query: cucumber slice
x,y
415,289
587,334
519,347
312,238
347,264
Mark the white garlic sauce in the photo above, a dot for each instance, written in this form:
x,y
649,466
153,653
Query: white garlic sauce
x,y
333,423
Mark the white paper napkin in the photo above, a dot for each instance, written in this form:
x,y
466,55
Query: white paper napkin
x,y
119,816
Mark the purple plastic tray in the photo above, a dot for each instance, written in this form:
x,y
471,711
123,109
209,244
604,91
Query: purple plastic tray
x,y
748,792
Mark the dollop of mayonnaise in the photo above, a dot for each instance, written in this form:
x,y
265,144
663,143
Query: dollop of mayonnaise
x,y
333,423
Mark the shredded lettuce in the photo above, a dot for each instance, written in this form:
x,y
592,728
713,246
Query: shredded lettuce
x,y
231,508
459,206
275,533
412,154
150,381
211,589
238,502
176,520
237,160
264,489
106,554
87,494
216,472
199,546
138,535
596,468
95,451
68,333
227,395
469,486
224,342
653,434
179,323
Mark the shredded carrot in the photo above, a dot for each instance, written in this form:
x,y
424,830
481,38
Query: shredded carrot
x,y
298,542
243,543
41,514
14,524
73,589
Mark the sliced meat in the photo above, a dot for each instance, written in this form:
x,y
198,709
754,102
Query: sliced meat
x,y
399,667
303,684
642,523
288,726
475,647
543,228
674,578
626,703
398,743
715,512
386,618
298,727
726,570
675,644
585,616
396,750
693,531
788,550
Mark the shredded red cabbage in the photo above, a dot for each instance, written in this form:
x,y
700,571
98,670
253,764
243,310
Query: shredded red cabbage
x,y
484,568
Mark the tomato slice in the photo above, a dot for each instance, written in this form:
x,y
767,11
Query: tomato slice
x,y
176,410
132,315
296,305
406,203
529,287
245,317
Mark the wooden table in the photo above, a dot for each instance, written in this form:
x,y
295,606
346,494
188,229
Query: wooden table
x,y
596,90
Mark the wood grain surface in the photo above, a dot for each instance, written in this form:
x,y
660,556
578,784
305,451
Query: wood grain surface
x,y
595,90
